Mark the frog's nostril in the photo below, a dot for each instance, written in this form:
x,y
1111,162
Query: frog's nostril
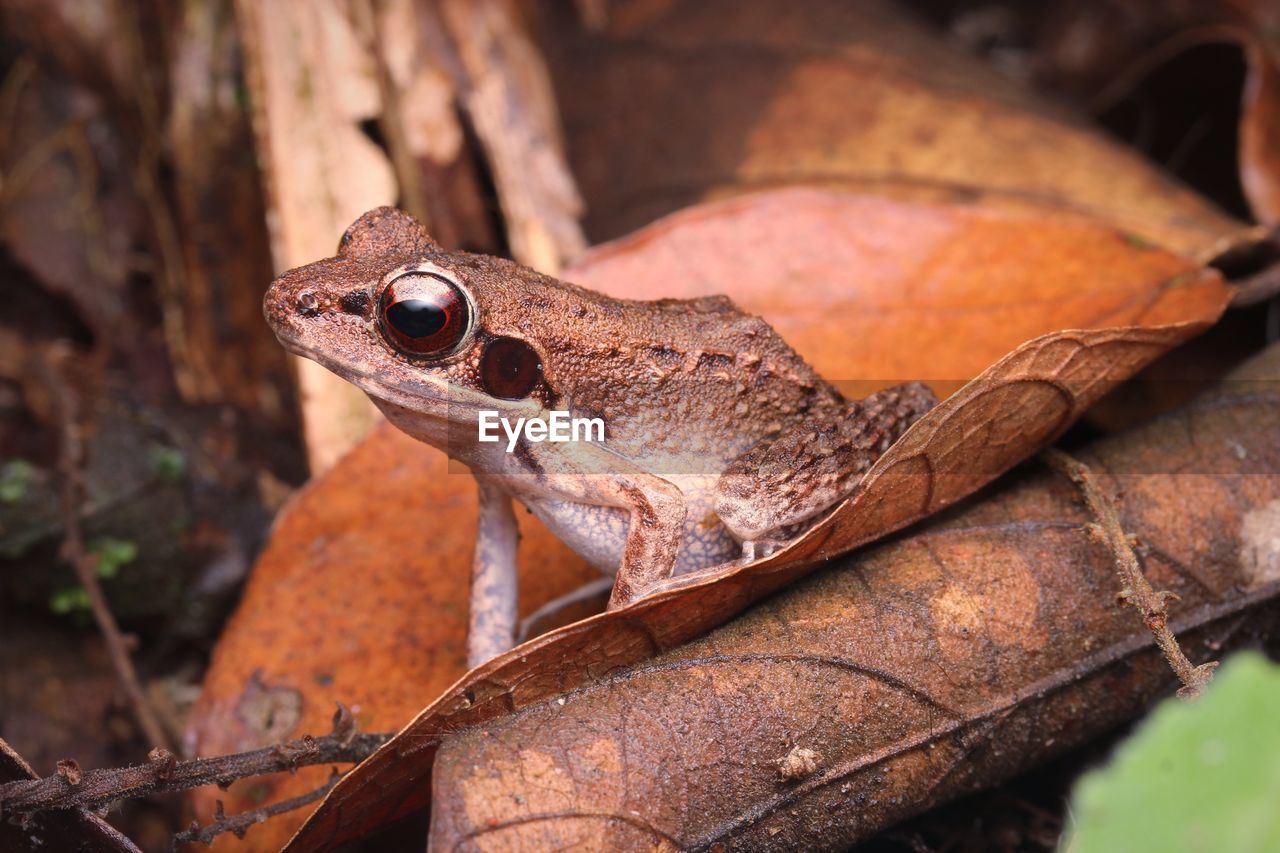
x,y
307,303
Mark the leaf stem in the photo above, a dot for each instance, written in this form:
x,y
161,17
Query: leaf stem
x,y
1135,589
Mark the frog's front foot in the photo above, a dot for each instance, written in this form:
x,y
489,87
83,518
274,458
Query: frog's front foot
x,y
492,622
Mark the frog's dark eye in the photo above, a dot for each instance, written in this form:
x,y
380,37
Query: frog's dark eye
x,y
424,314
510,368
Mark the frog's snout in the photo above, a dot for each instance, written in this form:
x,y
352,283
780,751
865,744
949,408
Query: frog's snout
x,y
308,302
298,293
319,311
291,301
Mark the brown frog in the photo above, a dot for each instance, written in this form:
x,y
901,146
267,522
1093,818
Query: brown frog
x,y
719,441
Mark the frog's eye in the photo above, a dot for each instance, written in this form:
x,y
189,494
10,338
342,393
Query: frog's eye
x,y
424,314
510,368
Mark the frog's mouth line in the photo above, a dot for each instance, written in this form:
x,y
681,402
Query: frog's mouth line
x,y
428,395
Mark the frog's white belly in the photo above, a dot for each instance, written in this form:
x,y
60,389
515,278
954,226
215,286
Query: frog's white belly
x,y
599,533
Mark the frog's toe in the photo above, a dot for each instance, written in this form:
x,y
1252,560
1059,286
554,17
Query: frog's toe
x,y
758,549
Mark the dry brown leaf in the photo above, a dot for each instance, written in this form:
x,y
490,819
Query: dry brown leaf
x,y
1260,131
920,670
873,291
727,96
1022,401
360,598
61,216
93,44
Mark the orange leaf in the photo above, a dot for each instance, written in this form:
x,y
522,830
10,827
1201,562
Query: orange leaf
x,y
360,597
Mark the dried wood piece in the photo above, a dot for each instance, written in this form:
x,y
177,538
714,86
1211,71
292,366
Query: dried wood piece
x,y
73,788
510,101
75,829
219,211
312,84
1136,590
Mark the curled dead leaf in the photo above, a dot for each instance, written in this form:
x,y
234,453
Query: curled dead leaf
x,y
1102,52
920,670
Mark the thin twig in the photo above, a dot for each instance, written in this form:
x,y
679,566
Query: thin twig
x,y
1128,77
73,787
1135,588
239,823
71,461
1257,288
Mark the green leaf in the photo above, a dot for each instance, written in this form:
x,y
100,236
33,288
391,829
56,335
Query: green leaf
x,y
1201,776
112,554
168,463
69,600
15,478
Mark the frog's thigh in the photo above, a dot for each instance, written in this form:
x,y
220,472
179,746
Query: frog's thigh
x,y
788,480
593,594
809,467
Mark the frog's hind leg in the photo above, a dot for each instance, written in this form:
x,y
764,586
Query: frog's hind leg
x,y
774,489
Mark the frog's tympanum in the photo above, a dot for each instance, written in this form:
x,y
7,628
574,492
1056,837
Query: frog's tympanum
x,y
719,441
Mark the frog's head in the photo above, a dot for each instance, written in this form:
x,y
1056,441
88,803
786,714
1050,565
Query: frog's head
x,y
432,336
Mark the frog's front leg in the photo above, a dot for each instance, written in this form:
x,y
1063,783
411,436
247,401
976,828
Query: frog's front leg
x,y
800,473
492,624
657,525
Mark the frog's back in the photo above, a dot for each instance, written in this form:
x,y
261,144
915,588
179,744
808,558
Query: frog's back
x,y
692,382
